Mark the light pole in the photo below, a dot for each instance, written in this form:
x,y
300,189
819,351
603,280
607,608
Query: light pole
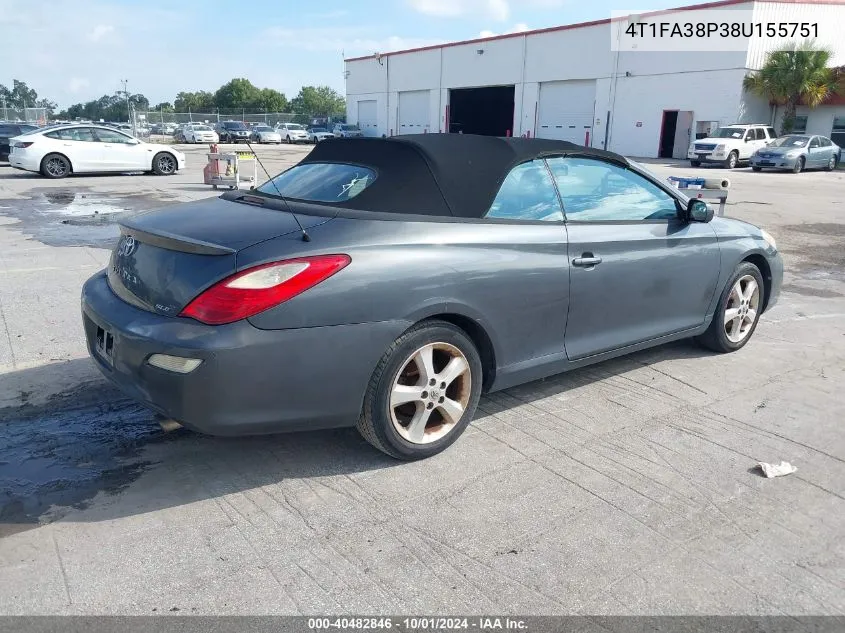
x,y
125,83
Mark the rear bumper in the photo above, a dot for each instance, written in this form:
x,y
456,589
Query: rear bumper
x,y
25,161
250,380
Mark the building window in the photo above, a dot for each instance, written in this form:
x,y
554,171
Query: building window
x,y
837,134
799,126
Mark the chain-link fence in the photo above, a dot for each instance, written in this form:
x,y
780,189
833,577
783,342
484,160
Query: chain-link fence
x,y
36,116
151,117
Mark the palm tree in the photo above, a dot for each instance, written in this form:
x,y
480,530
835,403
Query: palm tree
x,y
793,75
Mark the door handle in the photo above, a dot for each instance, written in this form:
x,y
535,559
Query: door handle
x,y
586,261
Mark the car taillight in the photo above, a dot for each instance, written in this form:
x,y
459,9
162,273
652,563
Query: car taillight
x,y
254,290
22,145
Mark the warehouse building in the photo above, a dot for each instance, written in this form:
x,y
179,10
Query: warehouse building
x,y
569,83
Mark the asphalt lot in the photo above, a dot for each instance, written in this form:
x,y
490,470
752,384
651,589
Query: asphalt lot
x,y
623,488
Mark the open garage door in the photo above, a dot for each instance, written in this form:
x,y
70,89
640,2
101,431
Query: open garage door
x,y
368,117
487,111
414,111
566,110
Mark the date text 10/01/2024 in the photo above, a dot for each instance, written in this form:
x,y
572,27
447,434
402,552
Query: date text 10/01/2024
x,y
418,623
721,29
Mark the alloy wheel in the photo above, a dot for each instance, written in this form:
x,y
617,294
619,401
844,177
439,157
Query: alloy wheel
x,y
741,309
430,393
56,167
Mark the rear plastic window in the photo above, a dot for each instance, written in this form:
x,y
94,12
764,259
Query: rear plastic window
x,y
320,182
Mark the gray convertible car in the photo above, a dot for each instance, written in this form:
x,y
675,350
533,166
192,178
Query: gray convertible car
x,y
388,283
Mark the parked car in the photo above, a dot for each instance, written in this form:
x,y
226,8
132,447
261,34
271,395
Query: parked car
x,y
317,134
10,130
347,130
240,323
796,152
292,132
76,149
731,145
233,132
265,134
197,133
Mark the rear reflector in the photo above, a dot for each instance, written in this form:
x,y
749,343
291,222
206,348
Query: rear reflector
x,y
174,363
254,290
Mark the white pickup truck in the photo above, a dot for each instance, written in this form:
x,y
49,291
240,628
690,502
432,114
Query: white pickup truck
x,y
731,144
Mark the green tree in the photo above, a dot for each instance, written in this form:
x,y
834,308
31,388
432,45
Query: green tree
x,y
164,106
201,101
272,100
318,101
792,75
237,93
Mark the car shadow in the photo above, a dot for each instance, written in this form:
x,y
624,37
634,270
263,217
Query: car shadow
x,y
90,439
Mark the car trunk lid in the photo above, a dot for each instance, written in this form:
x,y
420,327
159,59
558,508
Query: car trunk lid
x,y
165,258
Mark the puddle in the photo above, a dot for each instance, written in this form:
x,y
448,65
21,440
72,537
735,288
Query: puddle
x,y
76,217
62,456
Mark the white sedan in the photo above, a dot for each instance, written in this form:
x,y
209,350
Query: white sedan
x,y
317,134
61,150
265,134
200,134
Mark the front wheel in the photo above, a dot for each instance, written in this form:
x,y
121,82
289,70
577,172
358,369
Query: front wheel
x,y
831,164
756,168
55,166
798,167
164,164
695,163
423,393
733,160
738,311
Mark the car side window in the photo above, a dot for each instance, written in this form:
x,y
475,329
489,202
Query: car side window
x,y
824,141
772,133
527,193
84,134
109,136
761,134
814,142
597,191
9,130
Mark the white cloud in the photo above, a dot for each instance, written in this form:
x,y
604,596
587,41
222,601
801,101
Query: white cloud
x,y
517,28
498,10
349,41
76,84
100,31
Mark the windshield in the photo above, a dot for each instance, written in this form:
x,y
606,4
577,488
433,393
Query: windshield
x,y
263,128
202,128
348,127
790,141
315,130
729,132
320,182
294,126
234,125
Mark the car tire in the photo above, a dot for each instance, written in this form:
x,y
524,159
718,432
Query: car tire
x,y
695,163
401,376
756,168
727,334
289,141
799,165
732,161
831,164
55,166
165,164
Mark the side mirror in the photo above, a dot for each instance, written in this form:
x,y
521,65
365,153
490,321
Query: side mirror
x,y
698,211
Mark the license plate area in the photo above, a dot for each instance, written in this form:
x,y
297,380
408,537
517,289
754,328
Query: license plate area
x,y
105,345
703,156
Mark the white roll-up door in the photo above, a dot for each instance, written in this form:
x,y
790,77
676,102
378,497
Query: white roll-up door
x,y
414,111
566,110
368,117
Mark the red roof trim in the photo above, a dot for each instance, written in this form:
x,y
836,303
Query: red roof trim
x,y
579,25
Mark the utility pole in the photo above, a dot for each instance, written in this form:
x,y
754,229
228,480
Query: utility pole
x,y
125,83
5,112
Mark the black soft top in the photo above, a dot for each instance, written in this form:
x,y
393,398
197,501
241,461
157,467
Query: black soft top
x,y
440,174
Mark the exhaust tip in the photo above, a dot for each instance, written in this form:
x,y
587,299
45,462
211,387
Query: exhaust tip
x,y
169,425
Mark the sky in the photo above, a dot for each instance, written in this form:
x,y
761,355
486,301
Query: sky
x,y
78,51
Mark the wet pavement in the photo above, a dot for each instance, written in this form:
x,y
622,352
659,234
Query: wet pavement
x,y
60,455
77,216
